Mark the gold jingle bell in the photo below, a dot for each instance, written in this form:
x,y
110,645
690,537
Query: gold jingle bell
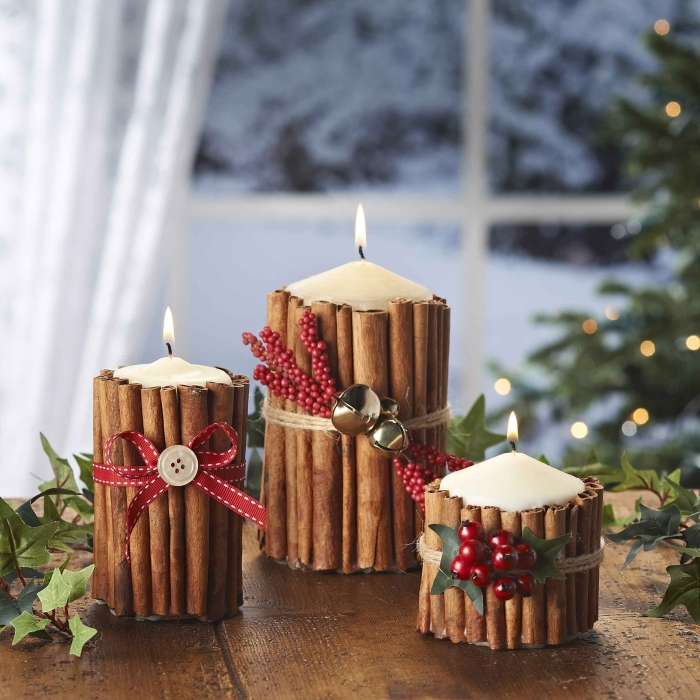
x,y
388,436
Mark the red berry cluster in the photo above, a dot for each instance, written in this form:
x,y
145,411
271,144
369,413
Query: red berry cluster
x,y
496,559
415,476
282,375
434,458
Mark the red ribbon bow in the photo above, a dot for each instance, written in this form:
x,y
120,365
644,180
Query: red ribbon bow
x,y
153,485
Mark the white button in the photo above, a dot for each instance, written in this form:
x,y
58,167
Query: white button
x,y
177,465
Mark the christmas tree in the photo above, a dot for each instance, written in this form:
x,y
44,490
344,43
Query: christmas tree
x,y
634,373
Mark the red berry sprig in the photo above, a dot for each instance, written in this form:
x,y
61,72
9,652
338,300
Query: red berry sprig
x,y
494,559
434,458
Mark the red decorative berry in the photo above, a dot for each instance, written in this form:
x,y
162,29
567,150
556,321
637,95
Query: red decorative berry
x,y
525,584
481,575
504,557
460,568
527,556
499,537
504,589
470,530
472,551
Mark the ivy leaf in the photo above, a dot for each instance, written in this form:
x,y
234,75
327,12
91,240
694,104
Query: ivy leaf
x,y
443,579
547,551
84,463
609,519
684,499
81,506
63,472
544,460
66,532
25,624
29,575
605,474
56,594
11,608
684,589
81,635
77,581
691,535
62,568
637,478
467,435
22,545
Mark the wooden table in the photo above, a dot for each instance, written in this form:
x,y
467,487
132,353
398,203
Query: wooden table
x,y
304,635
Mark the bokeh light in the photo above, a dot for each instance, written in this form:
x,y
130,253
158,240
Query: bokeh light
x,y
640,416
589,326
661,26
692,342
629,428
673,109
579,430
502,386
611,313
647,348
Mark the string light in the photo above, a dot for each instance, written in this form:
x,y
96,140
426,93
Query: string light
x,y
579,430
640,416
611,314
673,109
692,342
629,428
589,326
647,348
662,27
502,386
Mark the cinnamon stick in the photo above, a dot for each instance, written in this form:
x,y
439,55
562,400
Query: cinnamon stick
x,y
305,494
401,390
290,446
420,383
100,577
445,370
433,378
274,474
594,486
220,410
159,521
433,516
586,506
176,506
495,608
131,418
193,419
346,379
455,621
534,619
555,589
423,623
327,471
514,607
570,551
374,541
476,624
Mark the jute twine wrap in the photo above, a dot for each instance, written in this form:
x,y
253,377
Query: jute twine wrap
x,y
570,565
304,421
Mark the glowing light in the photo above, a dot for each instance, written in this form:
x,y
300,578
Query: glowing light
x,y
589,326
360,228
647,348
579,430
168,327
629,428
661,26
512,432
640,416
673,109
692,342
502,386
618,231
634,227
611,314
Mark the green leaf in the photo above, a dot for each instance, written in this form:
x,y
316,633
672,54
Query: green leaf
x,y
81,506
467,435
544,460
77,580
56,594
637,479
684,589
81,635
547,551
605,474
29,575
609,519
66,532
691,535
63,472
62,568
684,499
11,608
25,624
84,463
592,458
22,545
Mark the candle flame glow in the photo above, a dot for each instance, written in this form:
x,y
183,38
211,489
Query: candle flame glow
x,y
168,327
360,228
512,433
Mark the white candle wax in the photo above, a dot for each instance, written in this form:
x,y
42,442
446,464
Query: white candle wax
x,y
512,482
172,371
361,284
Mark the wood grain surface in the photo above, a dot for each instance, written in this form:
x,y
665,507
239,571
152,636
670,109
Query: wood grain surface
x,y
316,635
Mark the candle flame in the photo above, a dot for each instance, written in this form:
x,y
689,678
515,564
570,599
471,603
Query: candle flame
x,y
512,434
360,228
168,327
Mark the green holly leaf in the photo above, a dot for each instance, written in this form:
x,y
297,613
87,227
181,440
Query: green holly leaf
x,y
81,635
468,437
25,624
77,580
547,551
684,589
56,594
22,545
637,478
84,462
443,579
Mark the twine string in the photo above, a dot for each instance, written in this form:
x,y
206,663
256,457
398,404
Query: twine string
x,y
567,565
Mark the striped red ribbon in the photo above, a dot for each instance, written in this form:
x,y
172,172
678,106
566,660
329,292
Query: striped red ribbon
x,y
218,485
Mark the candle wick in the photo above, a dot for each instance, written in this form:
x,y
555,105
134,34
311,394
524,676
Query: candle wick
x,y
362,255
170,350
512,445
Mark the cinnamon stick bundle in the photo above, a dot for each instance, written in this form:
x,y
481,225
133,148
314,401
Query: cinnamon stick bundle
x,y
401,390
555,589
534,618
346,379
514,606
495,608
374,541
327,469
455,620
476,624
586,509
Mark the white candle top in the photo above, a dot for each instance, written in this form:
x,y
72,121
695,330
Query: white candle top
x,y
512,482
361,284
172,371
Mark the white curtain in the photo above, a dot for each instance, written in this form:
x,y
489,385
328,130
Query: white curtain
x,y
101,103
